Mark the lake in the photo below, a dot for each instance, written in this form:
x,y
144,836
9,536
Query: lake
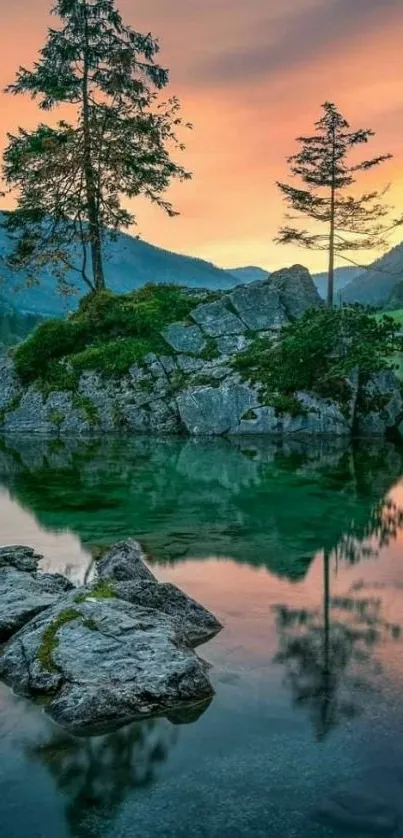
x,y
297,548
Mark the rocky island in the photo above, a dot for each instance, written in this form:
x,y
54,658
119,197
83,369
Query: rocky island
x,y
264,358
102,655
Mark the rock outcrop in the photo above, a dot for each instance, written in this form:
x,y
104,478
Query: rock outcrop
x,y
193,387
107,653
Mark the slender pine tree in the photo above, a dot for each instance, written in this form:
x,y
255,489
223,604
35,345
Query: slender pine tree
x,y
70,179
352,223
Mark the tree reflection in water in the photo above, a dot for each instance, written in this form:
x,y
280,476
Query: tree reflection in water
x,y
328,652
96,774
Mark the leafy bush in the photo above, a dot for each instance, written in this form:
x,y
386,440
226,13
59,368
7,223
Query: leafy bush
x,y
92,338
318,352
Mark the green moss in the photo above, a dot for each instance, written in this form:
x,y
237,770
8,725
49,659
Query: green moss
x,y
57,418
203,380
317,354
250,414
102,590
178,380
50,640
289,404
109,333
119,419
210,351
10,407
83,403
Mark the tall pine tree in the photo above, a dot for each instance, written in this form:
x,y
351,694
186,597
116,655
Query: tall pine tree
x,y
352,223
70,179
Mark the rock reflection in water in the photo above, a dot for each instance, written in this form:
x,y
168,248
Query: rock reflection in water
x,y
96,774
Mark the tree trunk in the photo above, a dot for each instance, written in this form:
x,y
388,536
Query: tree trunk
x,y
89,175
330,278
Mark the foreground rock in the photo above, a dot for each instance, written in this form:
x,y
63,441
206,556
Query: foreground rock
x,y
24,592
114,651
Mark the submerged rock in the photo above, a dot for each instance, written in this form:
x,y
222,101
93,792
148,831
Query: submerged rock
x,y
24,592
117,650
358,812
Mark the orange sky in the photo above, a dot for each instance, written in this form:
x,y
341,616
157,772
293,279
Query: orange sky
x,y
251,76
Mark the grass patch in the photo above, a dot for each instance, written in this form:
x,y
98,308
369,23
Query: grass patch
x,y
109,333
10,407
210,351
83,403
249,415
317,354
102,590
57,418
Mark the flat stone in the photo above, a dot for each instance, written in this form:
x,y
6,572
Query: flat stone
x,y
168,363
188,364
259,306
184,338
215,410
358,812
217,319
231,344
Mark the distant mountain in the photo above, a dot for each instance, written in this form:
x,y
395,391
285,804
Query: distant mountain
x,y
375,285
249,274
130,263
342,277
14,325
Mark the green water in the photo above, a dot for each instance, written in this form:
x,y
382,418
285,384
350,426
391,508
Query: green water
x,y
298,550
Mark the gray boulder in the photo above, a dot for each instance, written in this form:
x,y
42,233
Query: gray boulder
x,y
260,306
217,319
24,592
10,387
319,417
124,562
296,289
184,338
105,654
196,624
213,411
103,663
380,405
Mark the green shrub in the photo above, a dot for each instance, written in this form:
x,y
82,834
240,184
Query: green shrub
x,y
109,333
318,352
51,341
112,358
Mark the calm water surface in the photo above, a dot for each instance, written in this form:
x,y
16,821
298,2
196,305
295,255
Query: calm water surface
x,y
298,550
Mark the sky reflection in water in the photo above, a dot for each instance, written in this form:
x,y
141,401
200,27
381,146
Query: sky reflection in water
x,y
298,550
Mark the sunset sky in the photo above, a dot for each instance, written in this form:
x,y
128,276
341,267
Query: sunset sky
x,y
251,76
